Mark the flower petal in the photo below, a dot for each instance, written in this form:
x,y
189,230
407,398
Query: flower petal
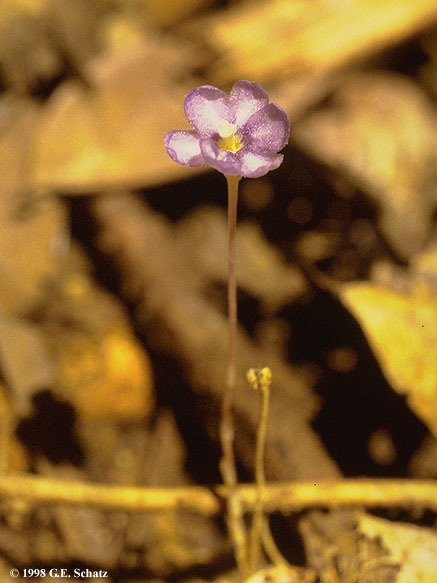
x,y
224,161
244,163
267,131
254,165
183,147
246,98
205,107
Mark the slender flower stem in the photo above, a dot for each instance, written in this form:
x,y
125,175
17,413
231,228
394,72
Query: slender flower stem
x,y
233,182
260,379
227,462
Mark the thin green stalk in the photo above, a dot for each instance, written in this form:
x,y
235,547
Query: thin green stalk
x,y
227,462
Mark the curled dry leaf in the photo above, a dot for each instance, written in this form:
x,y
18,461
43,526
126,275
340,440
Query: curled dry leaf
x,y
381,130
400,328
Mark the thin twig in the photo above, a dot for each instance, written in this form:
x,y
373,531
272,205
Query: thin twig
x,y
227,462
281,497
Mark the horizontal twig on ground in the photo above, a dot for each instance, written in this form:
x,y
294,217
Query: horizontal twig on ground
x,y
208,501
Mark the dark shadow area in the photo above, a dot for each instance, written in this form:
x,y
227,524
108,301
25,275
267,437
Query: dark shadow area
x,y
356,402
50,430
203,453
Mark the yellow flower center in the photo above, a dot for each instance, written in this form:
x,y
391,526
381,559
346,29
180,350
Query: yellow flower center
x,y
228,140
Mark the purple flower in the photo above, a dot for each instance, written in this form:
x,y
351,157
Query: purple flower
x,y
239,134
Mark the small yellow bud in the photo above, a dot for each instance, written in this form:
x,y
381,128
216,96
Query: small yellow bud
x,y
265,376
259,376
252,378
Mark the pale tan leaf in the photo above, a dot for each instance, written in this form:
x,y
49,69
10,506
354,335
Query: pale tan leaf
x,y
101,367
167,12
262,270
11,8
282,573
401,329
31,245
25,360
424,266
28,55
278,38
381,130
113,133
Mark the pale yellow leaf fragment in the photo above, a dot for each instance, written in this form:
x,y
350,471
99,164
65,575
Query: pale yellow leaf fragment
x,y
113,369
401,329
10,8
413,548
280,37
282,574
